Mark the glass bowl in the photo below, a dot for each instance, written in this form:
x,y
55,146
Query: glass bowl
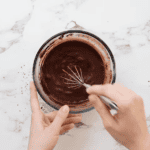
x,y
99,45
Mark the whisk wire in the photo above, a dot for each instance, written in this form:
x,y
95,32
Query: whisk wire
x,y
70,75
76,76
74,86
69,80
79,74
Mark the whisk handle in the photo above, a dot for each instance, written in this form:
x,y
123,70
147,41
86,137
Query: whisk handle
x,y
107,101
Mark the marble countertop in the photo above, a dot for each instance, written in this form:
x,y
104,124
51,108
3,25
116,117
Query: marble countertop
x,y
25,25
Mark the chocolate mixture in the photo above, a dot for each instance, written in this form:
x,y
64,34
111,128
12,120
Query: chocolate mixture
x,y
71,53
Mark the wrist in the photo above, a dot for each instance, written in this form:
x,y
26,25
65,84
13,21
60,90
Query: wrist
x,y
147,143
143,144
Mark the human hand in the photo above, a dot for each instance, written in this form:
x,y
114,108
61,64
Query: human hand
x,y
46,128
128,126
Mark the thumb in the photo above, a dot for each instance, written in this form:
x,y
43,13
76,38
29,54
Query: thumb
x,y
60,118
102,109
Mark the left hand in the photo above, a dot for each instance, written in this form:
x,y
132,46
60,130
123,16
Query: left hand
x,y
46,128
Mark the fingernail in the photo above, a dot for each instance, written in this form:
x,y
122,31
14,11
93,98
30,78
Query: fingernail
x,y
65,108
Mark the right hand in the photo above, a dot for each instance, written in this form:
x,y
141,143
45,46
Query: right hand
x,y
129,126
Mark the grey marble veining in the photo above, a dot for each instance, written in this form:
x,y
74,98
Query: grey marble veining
x,y
25,25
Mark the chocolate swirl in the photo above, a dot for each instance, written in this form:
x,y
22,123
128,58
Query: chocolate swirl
x,y
71,53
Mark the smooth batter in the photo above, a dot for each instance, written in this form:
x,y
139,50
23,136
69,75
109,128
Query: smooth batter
x,y
72,53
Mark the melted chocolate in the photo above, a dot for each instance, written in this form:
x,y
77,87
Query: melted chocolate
x,y
71,53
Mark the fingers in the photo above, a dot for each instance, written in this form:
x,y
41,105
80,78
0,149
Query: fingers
x,y
51,116
102,109
47,121
34,98
66,128
72,120
107,90
59,119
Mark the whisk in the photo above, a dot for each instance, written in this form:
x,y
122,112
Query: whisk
x,y
77,81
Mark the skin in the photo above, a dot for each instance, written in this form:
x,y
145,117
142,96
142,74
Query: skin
x,y
46,128
129,126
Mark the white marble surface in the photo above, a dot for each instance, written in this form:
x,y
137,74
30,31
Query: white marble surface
x,y
26,24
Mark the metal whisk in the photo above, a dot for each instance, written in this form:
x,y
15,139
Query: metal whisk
x,y
77,81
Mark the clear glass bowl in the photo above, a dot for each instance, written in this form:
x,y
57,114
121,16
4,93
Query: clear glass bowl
x,y
96,42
